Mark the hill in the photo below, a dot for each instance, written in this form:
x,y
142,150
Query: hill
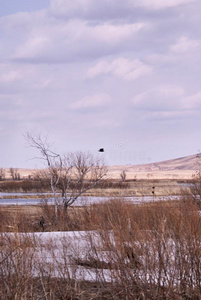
x,y
181,168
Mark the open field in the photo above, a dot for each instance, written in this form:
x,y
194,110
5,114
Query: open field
x,y
111,188
132,172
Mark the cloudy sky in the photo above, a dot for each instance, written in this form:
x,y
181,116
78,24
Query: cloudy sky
x,y
123,75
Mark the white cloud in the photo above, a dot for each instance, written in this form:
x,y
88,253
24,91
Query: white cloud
x,y
168,99
95,101
64,41
10,76
185,45
161,4
33,46
22,20
169,115
192,101
159,99
21,78
121,67
115,33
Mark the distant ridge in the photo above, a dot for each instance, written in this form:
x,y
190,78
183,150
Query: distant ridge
x,y
181,168
183,163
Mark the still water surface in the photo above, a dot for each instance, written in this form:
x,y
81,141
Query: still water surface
x,y
81,201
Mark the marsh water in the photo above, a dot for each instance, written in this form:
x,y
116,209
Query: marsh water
x,y
30,199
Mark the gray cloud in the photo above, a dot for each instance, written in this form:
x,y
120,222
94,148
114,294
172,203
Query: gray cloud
x,y
111,9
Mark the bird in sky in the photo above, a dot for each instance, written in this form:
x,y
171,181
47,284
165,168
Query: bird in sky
x,y
101,150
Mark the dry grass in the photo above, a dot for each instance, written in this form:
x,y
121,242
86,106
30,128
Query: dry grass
x,y
154,250
151,251
110,188
34,218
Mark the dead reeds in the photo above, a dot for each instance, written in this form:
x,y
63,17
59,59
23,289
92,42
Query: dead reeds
x,y
124,251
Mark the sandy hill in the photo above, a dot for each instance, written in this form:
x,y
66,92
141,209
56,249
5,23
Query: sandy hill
x,y
181,168
184,163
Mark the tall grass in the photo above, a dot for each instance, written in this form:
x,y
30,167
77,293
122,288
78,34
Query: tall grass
x,y
154,251
150,251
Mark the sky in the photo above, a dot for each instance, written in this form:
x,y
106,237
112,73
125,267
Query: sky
x,y
120,75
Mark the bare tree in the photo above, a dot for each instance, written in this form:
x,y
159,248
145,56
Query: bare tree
x,y
52,160
123,175
15,175
72,175
195,188
81,172
2,174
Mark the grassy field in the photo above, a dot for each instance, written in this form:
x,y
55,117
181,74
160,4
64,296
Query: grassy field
x,y
143,187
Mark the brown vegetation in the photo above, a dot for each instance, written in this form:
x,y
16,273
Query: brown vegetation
x,y
151,251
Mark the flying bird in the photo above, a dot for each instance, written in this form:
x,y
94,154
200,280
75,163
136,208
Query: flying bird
x,y
101,150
